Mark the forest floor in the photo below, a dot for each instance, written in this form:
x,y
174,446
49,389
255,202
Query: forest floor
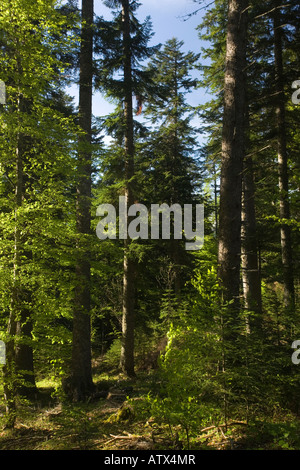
x,y
118,421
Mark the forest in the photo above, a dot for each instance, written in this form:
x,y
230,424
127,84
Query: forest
x,y
149,258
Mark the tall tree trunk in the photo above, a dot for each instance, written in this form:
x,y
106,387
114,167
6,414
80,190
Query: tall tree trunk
x,y
229,249
216,199
24,352
81,384
24,326
285,232
10,372
19,371
127,350
175,158
250,267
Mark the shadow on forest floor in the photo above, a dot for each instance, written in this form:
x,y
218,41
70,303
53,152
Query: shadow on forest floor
x,y
116,422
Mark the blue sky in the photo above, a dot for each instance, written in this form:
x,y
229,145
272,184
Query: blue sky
x,y
168,21
167,18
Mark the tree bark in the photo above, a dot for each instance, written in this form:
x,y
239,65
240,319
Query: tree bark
x,y
250,269
127,349
24,325
19,370
284,209
81,383
10,372
251,278
229,248
24,352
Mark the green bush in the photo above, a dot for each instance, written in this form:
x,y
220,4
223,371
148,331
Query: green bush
x,y
191,391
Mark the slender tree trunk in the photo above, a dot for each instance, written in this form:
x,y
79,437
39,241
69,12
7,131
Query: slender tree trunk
x,y
250,267
18,371
229,249
127,350
216,200
24,326
175,251
10,373
233,148
285,232
81,384
24,352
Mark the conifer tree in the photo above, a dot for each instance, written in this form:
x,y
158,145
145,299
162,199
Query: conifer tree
x,y
81,383
171,148
233,148
127,351
123,44
285,231
213,76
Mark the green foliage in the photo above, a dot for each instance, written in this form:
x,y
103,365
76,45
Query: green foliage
x,y
205,377
109,46
37,174
191,380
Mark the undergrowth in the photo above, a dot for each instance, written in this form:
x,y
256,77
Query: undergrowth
x,y
140,420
